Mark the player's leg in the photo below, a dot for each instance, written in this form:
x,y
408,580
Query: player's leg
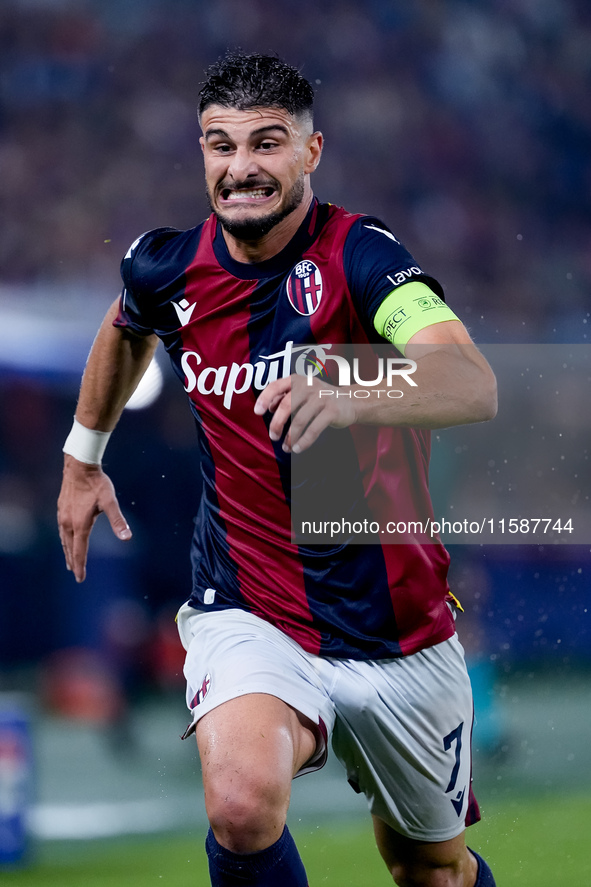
x,y
259,713
403,733
420,864
251,747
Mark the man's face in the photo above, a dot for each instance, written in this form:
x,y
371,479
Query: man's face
x,y
257,164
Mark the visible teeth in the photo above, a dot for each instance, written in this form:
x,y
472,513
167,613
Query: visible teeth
x,y
237,195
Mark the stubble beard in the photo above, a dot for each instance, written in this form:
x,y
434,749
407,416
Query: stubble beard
x,y
256,228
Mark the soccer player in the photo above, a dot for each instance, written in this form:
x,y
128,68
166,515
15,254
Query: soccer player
x,y
291,645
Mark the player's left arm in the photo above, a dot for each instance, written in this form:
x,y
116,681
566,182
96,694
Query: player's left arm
x,y
454,385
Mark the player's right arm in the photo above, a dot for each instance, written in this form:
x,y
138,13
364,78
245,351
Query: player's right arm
x,y
117,361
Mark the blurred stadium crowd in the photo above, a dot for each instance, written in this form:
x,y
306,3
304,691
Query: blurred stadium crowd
x,y
464,124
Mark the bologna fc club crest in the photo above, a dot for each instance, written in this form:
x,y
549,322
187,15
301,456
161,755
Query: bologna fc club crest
x,y
202,691
304,287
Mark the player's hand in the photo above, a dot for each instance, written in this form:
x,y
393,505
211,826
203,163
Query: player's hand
x,y
86,492
312,408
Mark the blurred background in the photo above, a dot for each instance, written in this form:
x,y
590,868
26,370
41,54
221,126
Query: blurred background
x,y
466,126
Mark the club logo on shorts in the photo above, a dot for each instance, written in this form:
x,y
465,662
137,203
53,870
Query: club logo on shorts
x,y
304,288
202,691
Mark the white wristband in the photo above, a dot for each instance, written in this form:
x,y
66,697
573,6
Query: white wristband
x,y
85,444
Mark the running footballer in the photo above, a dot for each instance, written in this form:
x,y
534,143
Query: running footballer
x,y
293,647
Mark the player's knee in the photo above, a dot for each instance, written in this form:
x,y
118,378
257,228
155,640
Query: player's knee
x,y
247,817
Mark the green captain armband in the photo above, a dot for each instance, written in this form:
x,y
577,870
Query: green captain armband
x,y
408,309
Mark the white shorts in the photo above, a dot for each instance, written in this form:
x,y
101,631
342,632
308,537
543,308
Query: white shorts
x,y
401,727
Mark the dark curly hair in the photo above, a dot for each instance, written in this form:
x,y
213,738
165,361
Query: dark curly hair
x,y
243,81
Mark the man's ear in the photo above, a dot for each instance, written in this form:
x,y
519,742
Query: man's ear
x,y
202,143
314,144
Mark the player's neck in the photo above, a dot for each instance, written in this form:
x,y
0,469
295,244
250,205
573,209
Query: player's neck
x,y
252,251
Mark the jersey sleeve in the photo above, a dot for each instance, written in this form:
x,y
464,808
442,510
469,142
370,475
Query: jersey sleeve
x,y
136,304
376,265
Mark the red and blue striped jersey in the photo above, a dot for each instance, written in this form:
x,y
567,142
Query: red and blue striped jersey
x,y
230,328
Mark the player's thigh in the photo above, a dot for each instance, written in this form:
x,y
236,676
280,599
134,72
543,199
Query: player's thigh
x,y
403,733
256,738
250,749
248,682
